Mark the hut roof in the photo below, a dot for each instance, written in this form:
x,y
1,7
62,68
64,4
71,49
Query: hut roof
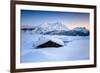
x,y
43,40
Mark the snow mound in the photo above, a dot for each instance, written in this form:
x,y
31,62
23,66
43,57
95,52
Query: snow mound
x,y
46,39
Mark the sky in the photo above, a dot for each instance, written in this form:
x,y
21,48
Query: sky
x,y
69,19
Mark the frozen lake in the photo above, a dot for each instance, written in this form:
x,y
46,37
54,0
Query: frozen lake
x,y
75,48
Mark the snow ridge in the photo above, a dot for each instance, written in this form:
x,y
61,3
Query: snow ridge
x,y
59,29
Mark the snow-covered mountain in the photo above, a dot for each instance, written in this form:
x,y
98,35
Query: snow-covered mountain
x,y
60,29
74,32
82,29
47,27
27,27
54,26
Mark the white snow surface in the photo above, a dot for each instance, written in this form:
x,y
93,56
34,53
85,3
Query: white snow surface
x,y
75,48
44,39
45,27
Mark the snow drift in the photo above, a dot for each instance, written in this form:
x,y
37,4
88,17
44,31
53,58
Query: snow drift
x,y
49,42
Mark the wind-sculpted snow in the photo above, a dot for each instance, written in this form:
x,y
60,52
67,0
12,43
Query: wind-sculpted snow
x,y
75,48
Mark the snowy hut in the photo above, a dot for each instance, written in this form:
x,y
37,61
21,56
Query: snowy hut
x,y
49,42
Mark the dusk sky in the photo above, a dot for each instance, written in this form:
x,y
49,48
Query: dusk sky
x,y
70,19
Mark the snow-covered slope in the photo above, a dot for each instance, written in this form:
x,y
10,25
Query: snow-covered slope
x,y
27,26
59,29
74,32
47,27
46,39
77,49
82,29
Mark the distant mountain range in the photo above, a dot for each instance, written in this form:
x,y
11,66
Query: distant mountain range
x,y
74,32
60,29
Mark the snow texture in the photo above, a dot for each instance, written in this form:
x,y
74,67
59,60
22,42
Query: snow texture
x,y
44,39
75,48
59,29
